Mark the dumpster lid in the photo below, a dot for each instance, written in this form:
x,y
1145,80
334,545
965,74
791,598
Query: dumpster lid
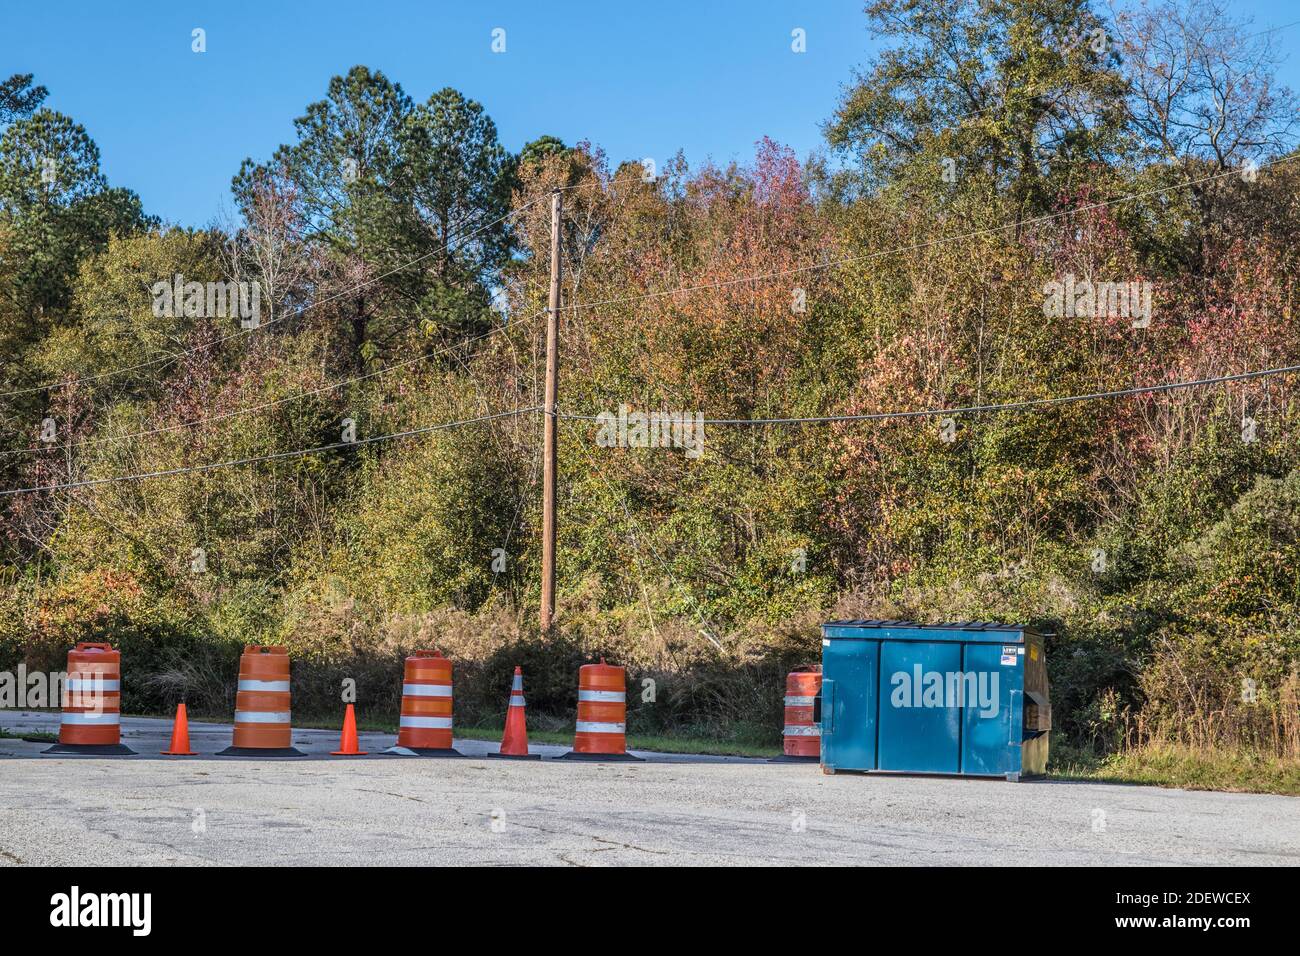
x,y
969,626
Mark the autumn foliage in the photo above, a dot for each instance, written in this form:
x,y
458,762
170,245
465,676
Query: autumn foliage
x,y
1155,537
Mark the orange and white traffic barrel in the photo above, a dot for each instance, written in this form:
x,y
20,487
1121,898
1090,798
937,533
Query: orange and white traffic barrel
x,y
601,728
91,701
802,734
424,725
262,713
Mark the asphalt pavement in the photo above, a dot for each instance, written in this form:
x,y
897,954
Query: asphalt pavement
x,y
664,810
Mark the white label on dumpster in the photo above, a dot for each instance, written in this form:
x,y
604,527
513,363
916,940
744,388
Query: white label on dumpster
x,y
1009,654
825,643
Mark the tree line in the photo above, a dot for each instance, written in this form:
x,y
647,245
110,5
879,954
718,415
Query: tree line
x,y
994,152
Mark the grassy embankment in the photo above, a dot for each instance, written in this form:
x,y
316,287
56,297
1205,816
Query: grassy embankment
x,y
1174,765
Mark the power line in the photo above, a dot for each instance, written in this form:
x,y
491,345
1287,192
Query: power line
x,y
991,230
1285,26
875,416
276,456
707,628
299,396
172,356
684,289
981,409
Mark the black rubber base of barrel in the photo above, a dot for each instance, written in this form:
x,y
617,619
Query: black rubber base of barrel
x,y
426,752
261,752
598,758
92,750
501,756
789,758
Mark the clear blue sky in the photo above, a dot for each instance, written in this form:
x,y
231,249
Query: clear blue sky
x,y
640,79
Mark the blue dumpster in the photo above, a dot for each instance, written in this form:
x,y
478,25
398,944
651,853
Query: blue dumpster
x,y
968,698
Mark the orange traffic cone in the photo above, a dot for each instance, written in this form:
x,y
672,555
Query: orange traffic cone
x,y
514,742
348,742
180,735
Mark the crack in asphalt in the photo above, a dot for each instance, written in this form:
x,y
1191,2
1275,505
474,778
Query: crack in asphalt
x,y
389,793
629,846
613,844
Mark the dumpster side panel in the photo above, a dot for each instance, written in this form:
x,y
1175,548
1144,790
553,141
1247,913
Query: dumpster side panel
x,y
849,709
919,730
1034,749
991,729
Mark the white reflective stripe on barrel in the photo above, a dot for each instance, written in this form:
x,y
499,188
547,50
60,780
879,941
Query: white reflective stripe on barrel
x,y
426,690
83,683
799,701
602,696
517,683
426,723
516,700
592,727
795,730
261,717
89,718
266,686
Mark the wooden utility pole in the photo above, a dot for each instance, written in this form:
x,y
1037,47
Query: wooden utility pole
x,y
549,422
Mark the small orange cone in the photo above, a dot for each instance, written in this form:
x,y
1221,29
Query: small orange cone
x,y
514,742
180,735
348,742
